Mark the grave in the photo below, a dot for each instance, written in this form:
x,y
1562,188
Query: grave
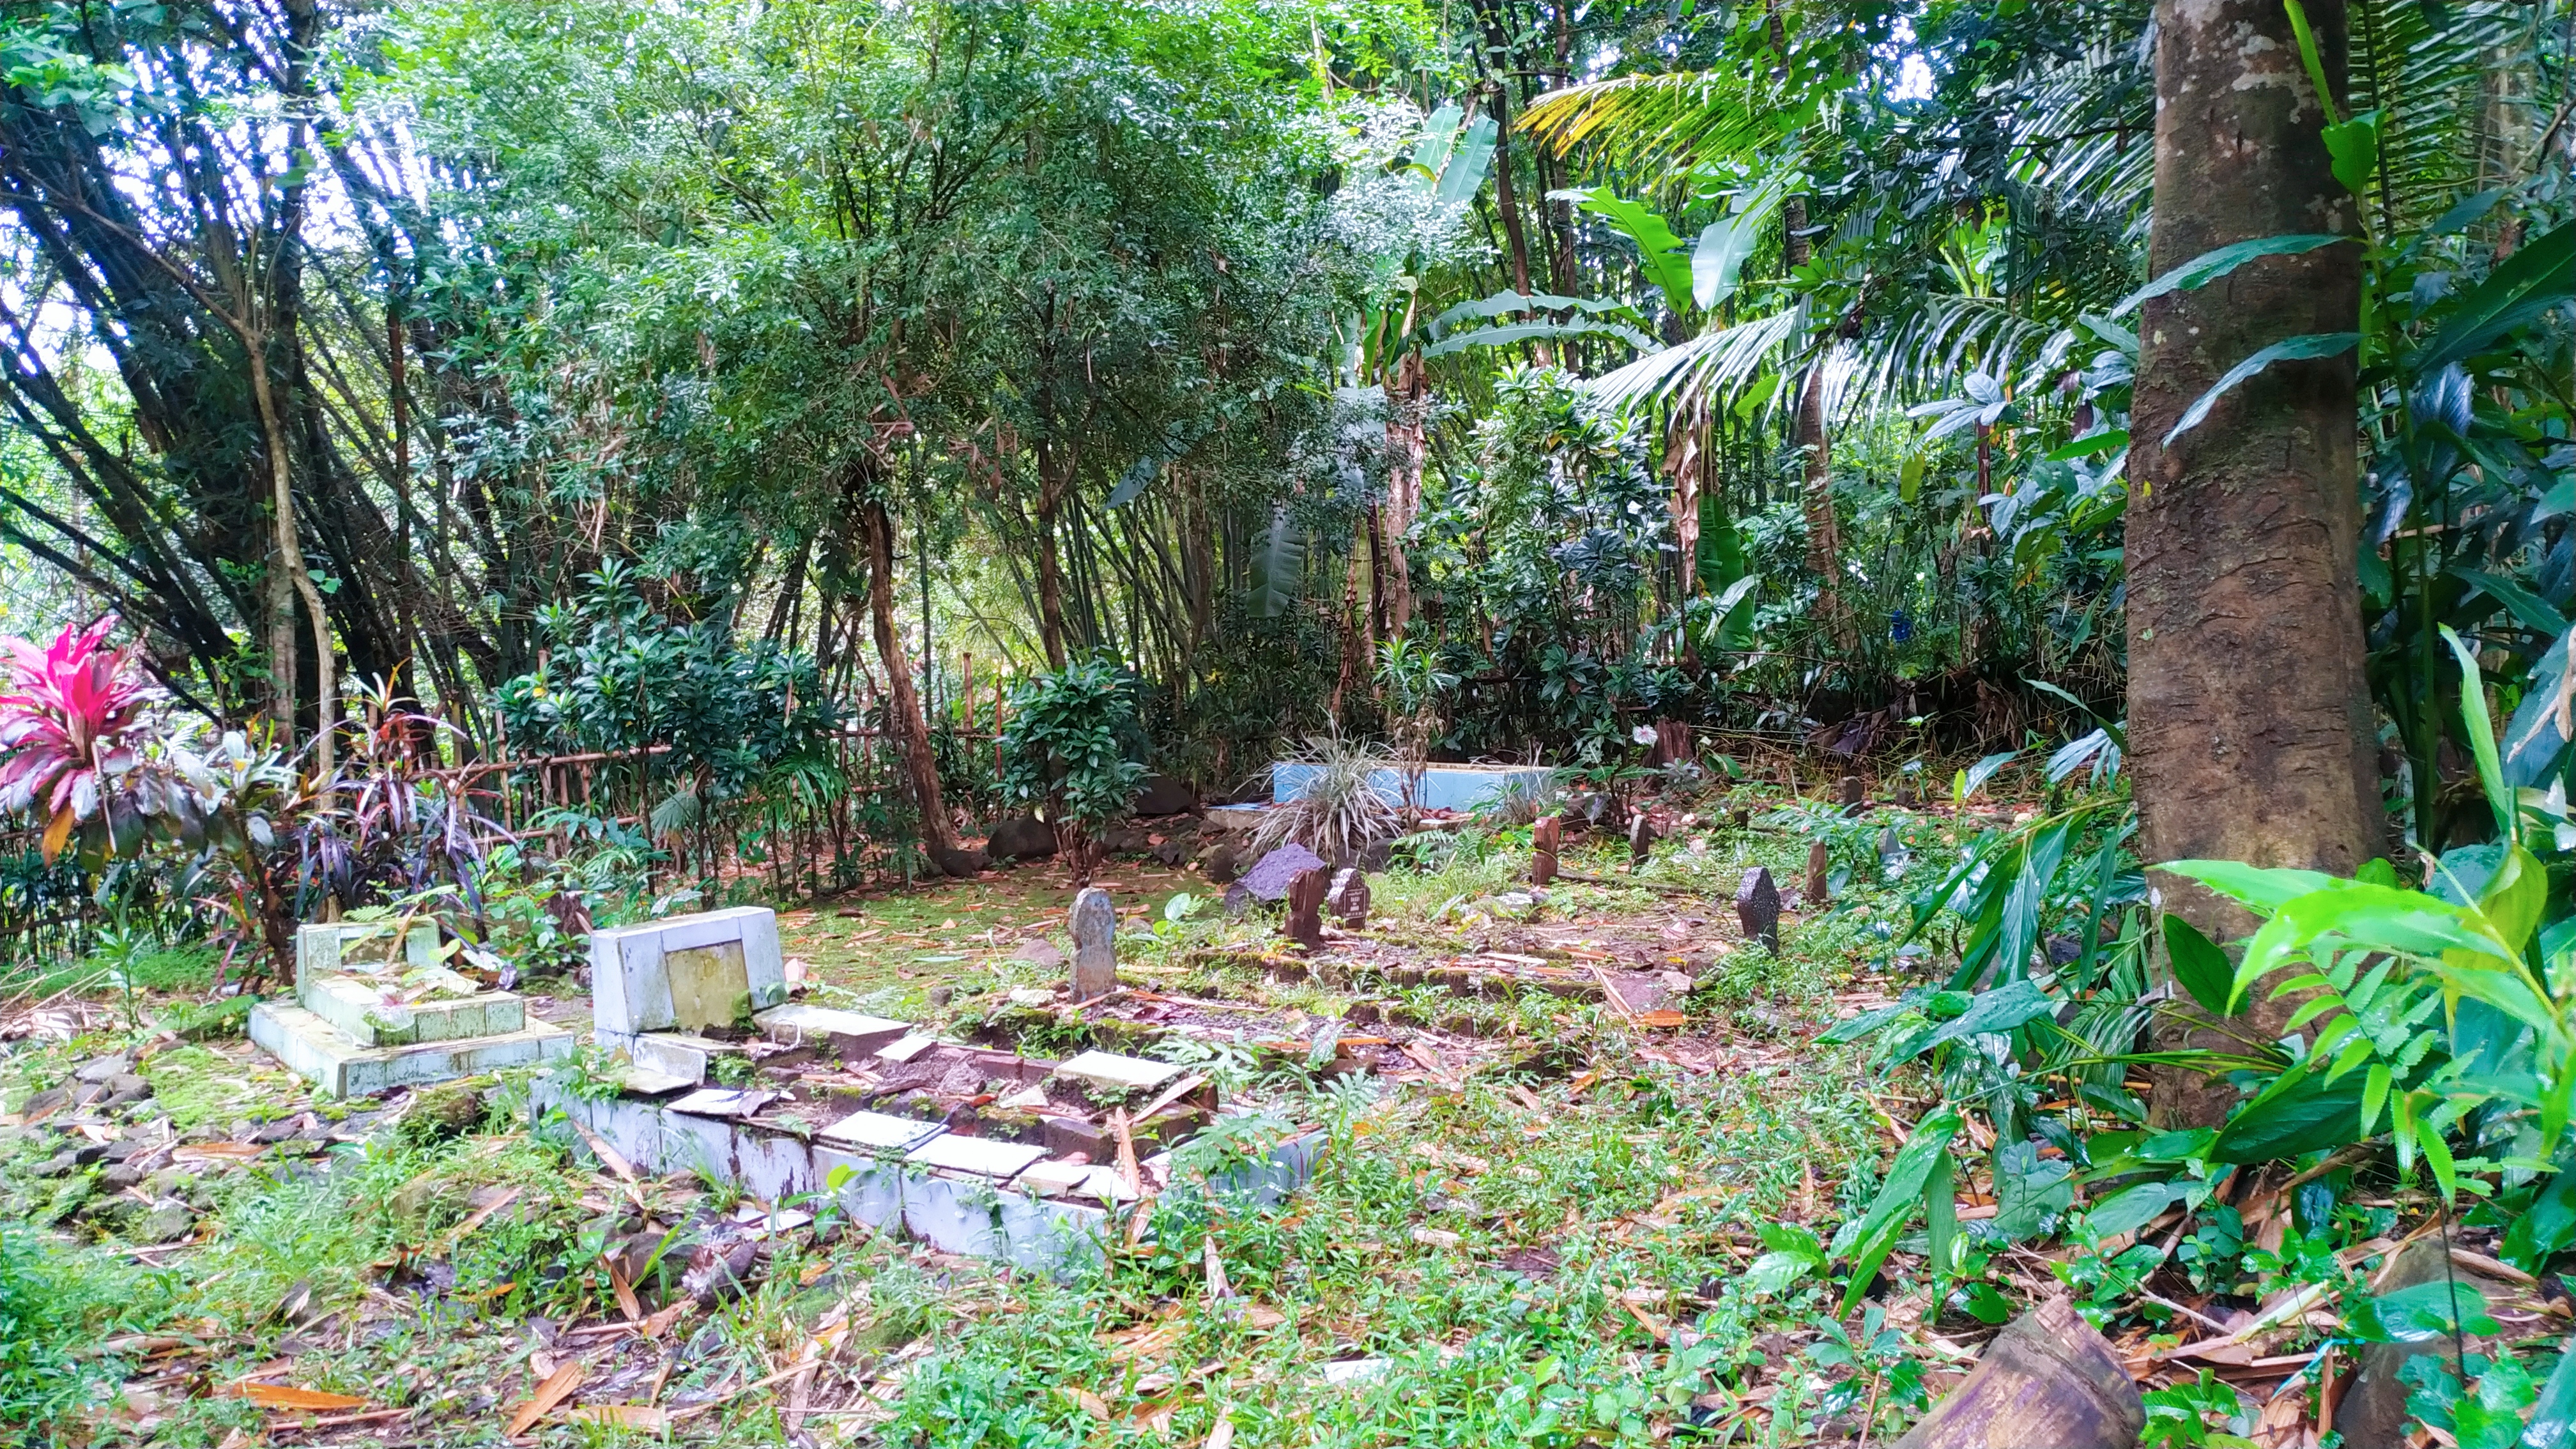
x,y
1305,924
971,1150
1757,908
1349,899
372,1012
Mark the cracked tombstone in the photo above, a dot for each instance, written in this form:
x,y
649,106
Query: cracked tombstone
x,y
1641,842
1820,861
1095,953
1757,908
1349,899
1306,907
1544,838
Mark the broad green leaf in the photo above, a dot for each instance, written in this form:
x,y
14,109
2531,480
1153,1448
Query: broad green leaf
x,y
2515,897
2534,279
1907,1178
2528,609
1278,567
1983,770
2289,349
1723,246
2537,735
2132,1208
2419,1314
1464,169
2091,445
2199,967
1661,251
2547,1226
2553,1420
1511,332
2263,889
2298,1114
2353,149
2006,1007
2209,266
2481,731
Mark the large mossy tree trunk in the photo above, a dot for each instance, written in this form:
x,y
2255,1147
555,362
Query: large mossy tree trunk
x,y
903,702
2249,714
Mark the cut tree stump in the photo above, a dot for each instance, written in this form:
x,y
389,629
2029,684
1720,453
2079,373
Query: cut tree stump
x,y
2049,1379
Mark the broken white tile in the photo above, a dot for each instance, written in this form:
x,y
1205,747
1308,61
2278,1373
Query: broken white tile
x,y
979,1155
1354,1370
1054,1176
722,1102
881,1131
908,1048
1108,1069
1026,1099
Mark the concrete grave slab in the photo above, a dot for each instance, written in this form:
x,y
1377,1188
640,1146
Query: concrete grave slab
x,y
954,1216
357,1008
1108,1069
881,1132
981,1156
325,948
851,1033
339,1066
670,1053
687,972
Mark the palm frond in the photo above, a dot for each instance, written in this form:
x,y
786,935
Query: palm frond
x,y
1675,119
1714,360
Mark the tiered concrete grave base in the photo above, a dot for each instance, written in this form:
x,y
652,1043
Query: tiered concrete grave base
x,y
964,1195
340,1066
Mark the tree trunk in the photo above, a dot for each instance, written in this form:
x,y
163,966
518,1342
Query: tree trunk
x,y
1050,561
903,702
1404,452
2250,722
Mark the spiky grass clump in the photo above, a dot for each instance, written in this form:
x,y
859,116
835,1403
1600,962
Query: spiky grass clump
x,y
1342,810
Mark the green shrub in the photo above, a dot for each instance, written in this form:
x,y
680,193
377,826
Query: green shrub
x,y
1072,746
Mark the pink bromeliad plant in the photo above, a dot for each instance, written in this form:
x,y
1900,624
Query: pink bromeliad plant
x,y
68,730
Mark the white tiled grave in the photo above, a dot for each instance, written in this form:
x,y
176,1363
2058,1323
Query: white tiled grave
x,y
371,1014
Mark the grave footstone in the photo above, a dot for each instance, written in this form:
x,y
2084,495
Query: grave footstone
x,y
1306,907
1238,901
1095,956
1349,899
1905,791
1757,908
1854,792
1270,875
1641,842
1545,837
1820,860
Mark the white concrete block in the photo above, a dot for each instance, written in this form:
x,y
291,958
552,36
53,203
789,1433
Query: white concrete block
x,y
321,946
953,1216
1108,1069
852,1033
870,1188
1055,1237
631,985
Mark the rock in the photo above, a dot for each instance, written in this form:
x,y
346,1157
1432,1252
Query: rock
x,y
119,1176
1238,901
1854,793
449,1109
2048,1378
2373,1407
1126,840
1545,837
1757,908
124,1090
71,1158
1820,861
1349,899
1041,952
99,1069
1170,853
940,996
1095,952
961,864
1163,795
165,1221
1641,841
1020,837
1222,865
1305,924
1270,875
1376,856
1905,791
1068,1135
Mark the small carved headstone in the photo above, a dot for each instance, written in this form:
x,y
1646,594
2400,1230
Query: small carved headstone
x,y
1820,860
1306,907
1891,849
1238,901
1905,791
1757,908
1544,839
1349,899
1641,841
1854,791
1095,956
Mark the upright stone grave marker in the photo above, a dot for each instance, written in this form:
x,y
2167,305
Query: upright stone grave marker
x,y
1641,841
1820,860
1306,907
1349,899
1095,952
1544,840
1757,908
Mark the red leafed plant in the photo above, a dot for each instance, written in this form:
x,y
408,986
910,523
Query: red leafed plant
x,y
66,730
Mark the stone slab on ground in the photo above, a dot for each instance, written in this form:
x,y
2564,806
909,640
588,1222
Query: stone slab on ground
x,y
1108,1069
881,1132
670,1053
340,1067
981,1156
1269,877
687,972
852,1033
